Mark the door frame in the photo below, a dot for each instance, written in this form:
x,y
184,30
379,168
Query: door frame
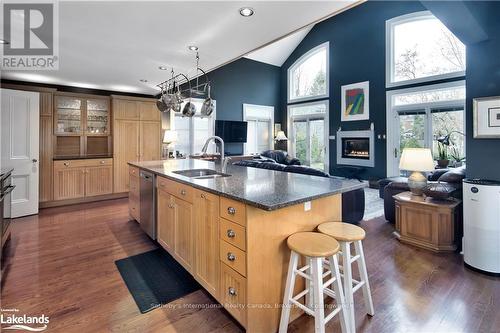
x,y
269,118
392,121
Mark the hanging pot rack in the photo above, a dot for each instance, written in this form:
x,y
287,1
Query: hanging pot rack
x,y
180,80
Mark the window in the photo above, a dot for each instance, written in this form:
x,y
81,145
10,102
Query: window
x,y
193,132
308,133
260,120
417,117
308,76
420,49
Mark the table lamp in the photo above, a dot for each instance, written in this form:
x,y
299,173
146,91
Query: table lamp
x,y
417,160
280,136
169,137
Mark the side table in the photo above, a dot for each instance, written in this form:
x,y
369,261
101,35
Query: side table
x,y
428,223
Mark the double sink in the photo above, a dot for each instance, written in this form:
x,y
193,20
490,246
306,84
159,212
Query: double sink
x,y
201,173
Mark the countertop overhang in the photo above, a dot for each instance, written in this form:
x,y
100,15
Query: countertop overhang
x,y
265,189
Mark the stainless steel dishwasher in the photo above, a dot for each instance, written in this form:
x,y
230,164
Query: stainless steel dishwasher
x,y
147,196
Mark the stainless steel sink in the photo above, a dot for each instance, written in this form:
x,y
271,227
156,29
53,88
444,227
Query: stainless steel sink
x,y
201,173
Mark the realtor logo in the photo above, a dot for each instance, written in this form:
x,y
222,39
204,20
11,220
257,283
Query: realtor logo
x,y
31,33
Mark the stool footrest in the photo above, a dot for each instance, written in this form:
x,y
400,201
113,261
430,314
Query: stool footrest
x,y
332,314
302,307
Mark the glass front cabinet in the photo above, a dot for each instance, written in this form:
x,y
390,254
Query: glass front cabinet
x,y
82,125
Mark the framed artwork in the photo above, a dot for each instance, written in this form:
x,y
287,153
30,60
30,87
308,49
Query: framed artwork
x,y
355,101
486,117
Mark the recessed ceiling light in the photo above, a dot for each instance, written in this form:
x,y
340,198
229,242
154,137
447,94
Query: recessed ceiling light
x,y
3,41
193,47
143,80
163,68
246,11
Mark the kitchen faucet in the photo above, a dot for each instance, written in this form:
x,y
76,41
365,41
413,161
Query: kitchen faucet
x,y
224,160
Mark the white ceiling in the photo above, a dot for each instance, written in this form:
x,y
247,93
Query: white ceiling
x,y
276,53
112,45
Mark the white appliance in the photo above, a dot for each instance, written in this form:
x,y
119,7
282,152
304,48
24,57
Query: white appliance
x,y
482,225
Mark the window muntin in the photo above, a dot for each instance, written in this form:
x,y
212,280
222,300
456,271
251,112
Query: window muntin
x,y
430,96
421,48
308,77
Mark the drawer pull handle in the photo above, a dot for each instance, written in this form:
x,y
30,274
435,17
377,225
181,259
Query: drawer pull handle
x,y
170,206
231,291
102,162
183,192
231,210
230,233
203,196
231,257
66,163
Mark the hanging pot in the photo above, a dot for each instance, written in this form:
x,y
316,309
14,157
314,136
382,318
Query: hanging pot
x,y
189,109
208,105
160,104
177,105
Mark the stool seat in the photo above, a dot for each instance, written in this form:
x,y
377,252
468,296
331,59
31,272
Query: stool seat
x,y
345,232
313,244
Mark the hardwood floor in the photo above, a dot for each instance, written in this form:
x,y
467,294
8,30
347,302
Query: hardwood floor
x,y
61,264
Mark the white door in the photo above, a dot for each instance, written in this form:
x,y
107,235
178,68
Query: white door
x,y
19,150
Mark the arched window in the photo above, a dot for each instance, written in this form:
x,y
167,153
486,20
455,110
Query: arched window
x,y
420,49
308,76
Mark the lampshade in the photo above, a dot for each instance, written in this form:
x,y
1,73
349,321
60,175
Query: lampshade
x,y
416,159
170,136
280,136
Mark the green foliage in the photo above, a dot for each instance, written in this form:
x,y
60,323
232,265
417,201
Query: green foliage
x,y
442,153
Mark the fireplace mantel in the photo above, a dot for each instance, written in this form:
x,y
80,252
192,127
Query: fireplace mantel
x,y
366,158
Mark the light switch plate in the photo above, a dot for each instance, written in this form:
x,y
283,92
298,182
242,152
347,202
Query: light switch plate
x,y
307,206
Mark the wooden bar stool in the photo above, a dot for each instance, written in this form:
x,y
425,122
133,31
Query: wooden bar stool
x,y
315,247
347,234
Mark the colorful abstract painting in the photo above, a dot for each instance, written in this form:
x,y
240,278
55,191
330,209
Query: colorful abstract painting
x,y
355,101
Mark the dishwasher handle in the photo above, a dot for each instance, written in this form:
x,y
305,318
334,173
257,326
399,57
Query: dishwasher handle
x,y
146,176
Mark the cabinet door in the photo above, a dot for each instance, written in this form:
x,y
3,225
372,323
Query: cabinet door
x,y
184,233
125,149
125,109
133,198
207,240
149,111
166,221
150,140
98,180
68,115
69,183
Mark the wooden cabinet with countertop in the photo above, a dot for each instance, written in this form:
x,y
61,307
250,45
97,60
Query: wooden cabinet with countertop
x,y
136,135
236,251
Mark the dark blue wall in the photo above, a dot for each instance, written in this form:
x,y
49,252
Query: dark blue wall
x,y
483,80
357,53
244,81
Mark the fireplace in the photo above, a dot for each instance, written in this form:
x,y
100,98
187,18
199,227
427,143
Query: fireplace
x,y
356,148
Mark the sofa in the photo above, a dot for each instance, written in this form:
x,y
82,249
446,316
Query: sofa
x,y
353,202
451,178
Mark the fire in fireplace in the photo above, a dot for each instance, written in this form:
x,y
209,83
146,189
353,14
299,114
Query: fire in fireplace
x,y
358,148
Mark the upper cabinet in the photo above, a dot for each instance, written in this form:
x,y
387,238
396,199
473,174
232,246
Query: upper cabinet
x,y
82,125
68,116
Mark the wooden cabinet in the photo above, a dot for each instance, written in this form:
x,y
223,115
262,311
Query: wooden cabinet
x,y
427,223
184,232
46,147
233,293
207,240
166,223
133,198
82,178
149,140
125,149
136,136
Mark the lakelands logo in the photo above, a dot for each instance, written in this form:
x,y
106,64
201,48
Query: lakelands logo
x,y
30,34
10,320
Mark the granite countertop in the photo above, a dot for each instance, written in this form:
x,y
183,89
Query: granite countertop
x,y
81,157
261,188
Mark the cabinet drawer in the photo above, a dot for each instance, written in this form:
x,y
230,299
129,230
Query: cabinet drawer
x,y
233,257
178,190
233,233
233,210
62,164
133,171
233,293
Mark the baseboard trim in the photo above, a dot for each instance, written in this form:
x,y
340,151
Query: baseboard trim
x,y
48,204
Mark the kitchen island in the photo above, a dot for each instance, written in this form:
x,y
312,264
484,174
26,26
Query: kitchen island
x,y
229,230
